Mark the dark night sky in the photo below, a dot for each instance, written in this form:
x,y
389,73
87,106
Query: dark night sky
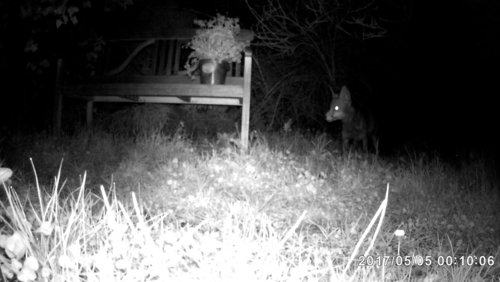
x,y
442,74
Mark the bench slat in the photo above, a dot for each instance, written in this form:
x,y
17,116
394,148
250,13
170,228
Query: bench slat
x,y
169,100
152,89
173,79
170,57
178,47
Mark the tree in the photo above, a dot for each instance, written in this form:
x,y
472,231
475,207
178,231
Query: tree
x,y
311,41
34,34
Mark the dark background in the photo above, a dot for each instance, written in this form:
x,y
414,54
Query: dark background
x,y
435,73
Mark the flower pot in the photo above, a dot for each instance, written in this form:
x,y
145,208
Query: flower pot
x,y
212,72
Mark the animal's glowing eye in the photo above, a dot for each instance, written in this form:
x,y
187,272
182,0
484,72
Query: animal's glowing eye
x,y
336,108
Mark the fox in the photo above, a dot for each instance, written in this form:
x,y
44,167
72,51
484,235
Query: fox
x,y
356,125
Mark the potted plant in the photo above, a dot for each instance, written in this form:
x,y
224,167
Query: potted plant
x,y
215,45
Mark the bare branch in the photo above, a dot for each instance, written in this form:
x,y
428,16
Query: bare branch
x,y
310,28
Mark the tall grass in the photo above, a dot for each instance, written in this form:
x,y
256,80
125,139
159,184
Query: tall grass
x,y
291,209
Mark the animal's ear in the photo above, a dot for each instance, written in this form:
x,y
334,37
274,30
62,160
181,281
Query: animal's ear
x,y
345,94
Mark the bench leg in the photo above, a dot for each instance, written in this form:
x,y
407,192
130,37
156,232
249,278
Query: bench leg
x,y
90,108
245,111
245,124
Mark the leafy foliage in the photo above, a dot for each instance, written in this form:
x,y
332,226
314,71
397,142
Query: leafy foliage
x,y
216,39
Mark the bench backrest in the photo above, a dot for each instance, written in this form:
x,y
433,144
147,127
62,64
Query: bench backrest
x,y
159,56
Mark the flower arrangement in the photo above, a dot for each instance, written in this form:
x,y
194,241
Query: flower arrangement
x,y
215,39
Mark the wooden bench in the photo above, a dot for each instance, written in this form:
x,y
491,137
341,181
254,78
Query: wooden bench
x,y
160,78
